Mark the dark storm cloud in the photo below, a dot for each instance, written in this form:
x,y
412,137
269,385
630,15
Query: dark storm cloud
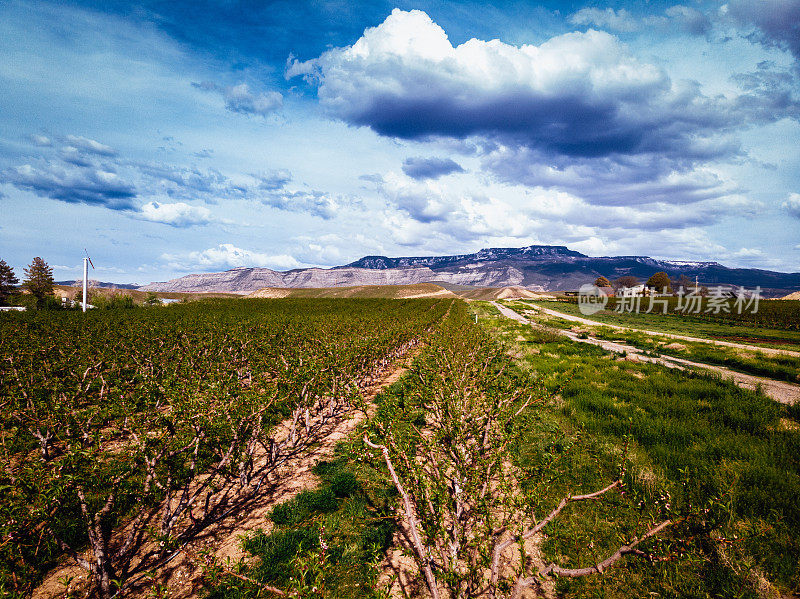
x,y
580,95
418,167
776,22
640,180
71,174
75,186
578,112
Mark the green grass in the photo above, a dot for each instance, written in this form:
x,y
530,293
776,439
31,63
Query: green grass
x,y
349,511
693,441
686,325
780,367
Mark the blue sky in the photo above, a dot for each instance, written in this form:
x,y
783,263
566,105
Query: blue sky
x,y
177,137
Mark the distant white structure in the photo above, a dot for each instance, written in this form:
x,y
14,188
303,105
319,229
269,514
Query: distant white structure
x,y
632,291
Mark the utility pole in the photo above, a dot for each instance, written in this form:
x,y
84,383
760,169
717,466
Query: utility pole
x,y
86,262
85,281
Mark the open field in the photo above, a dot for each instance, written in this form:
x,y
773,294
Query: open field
x,y
740,332
694,434
402,291
218,403
138,296
498,293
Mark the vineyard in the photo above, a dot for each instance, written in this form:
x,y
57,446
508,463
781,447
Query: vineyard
x,y
521,464
768,314
124,434
507,462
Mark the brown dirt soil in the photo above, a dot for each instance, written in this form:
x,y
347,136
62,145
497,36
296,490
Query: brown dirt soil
x,y
183,576
401,578
495,293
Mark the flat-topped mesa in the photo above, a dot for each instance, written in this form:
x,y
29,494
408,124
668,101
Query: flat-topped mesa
x,y
530,252
537,268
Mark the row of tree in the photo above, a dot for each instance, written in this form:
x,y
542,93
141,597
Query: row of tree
x,y
38,280
659,281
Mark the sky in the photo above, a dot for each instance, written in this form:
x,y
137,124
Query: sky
x,y
167,138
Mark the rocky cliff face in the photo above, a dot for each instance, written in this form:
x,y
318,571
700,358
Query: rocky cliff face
x,y
531,252
538,268
247,280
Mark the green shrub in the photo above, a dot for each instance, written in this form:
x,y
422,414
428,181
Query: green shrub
x,y
344,484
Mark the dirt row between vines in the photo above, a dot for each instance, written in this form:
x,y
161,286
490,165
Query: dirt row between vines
x,y
182,577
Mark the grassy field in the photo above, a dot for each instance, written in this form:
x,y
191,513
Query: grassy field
x,y
779,367
690,326
357,291
718,461
692,440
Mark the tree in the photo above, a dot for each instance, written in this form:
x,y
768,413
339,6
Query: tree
x,y
683,282
8,281
152,299
39,279
660,282
602,282
626,281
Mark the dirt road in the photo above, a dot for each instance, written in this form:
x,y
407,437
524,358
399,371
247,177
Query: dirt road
x,y
780,391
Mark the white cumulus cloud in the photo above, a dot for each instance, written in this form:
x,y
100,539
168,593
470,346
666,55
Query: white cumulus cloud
x,y
227,255
178,214
792,204
239,98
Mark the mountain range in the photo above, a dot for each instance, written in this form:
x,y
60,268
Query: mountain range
x,y
535,267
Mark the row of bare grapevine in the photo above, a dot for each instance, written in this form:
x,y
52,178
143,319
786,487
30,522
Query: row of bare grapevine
x,y
445,441
126,433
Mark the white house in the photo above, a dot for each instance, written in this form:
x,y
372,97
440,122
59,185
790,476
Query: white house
x,y
632,291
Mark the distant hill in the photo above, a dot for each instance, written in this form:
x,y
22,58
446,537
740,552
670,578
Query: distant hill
x,y
532,252
365,291
538,268
101,284
498,293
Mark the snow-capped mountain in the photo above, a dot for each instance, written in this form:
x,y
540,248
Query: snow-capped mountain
x,y
537,267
